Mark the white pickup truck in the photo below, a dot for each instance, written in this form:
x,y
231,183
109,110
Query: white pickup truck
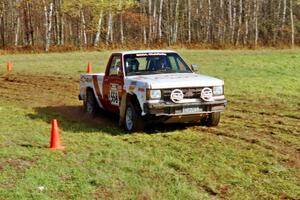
x,y
153,86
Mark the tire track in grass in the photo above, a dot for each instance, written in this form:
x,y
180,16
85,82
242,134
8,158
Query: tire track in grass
x,y
289,154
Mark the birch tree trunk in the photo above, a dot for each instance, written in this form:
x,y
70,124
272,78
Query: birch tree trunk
x,y
61,30
121,28
220,25
292,24
154,30
145,35
233,22
175,32
201,21
2,25
230,17
150,20
283,14
26,24
56,23
98,33
83,27
159,20
247,12
277,20
189,21
240,22
121,23
256,22
208,30
109,27
17,31
71,32
143,12
31,29
17,28
48,24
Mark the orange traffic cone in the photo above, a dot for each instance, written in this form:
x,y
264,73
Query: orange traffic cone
x,y
9,66
55,140
89,68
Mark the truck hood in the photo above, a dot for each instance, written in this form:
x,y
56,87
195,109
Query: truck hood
x,y
178,80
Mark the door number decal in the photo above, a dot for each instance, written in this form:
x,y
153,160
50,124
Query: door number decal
x,y
114,94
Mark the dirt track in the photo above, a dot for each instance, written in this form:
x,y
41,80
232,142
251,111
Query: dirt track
x,y
38,91
48,94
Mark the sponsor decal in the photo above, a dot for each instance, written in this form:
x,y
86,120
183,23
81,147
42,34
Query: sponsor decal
x,y
150,54
131,88
85,79
141,89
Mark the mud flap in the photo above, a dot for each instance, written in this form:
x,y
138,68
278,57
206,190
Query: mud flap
x,y
122,110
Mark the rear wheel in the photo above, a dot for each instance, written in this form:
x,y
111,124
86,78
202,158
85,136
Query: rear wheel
x,y
90,103
213,119
133,119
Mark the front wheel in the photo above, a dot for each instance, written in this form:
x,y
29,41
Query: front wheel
x,y
133,119
213,119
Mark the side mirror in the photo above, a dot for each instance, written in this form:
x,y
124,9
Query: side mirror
x,y
194,67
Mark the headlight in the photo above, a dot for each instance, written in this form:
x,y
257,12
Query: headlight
x,y
218,90
153,94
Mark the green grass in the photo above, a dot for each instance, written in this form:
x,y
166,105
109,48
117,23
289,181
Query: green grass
x,y
253,154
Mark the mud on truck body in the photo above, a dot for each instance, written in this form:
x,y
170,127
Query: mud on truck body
x,y
147,86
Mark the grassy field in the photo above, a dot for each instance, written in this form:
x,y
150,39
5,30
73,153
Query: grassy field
x,y
253,154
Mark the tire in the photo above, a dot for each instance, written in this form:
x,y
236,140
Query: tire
x,y
213,119
90,105
133,119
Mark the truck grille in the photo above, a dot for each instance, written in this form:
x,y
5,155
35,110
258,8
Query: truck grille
x,y
189,93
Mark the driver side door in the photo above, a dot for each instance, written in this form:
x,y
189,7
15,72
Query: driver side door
x,y
113,83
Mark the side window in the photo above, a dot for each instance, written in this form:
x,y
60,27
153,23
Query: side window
x,y
143,63
173,63
115,66
181,65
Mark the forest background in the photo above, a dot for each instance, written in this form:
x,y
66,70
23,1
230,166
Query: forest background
x,y
52,25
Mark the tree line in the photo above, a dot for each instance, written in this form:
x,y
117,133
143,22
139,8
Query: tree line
x,y
92,23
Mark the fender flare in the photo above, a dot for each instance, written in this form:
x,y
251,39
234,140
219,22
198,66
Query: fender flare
x,y
124,100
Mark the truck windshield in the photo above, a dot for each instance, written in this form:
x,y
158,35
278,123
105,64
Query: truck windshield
x,y
154,63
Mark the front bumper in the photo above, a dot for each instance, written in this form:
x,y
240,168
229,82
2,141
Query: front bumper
x,y
171,109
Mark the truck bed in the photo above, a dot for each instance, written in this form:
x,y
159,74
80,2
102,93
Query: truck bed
x,y
93,81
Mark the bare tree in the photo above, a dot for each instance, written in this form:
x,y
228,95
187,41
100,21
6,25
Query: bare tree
x,y
48,11
83,27
256,7
17,25
160,19
240,22
189,21
109,28
97,38
175,32
292,24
